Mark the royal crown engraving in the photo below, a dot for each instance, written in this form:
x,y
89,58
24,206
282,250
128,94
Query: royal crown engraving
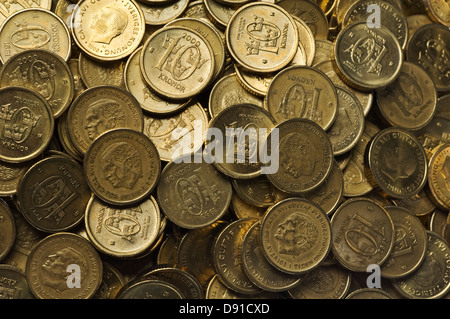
x,y
17,123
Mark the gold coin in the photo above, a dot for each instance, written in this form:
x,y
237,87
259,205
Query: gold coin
x,y
227,91
242,209
361,220
12,7
305,156
262,37
196,9
7,229
410,101
122,166
439,177
79,85
44,72
218,13
396,163
437,132
303,92
10,175
324,51
243,128
295,235
106,30
419,204
409,247
150,289
100,109
438,11
429,47
122,231
391,17
112,282
47,265
161,14
96,73
306,42
255,83
53,194
369,293
135,84
177,62
15,285
27,122
34,29
416,21
202,194
367,58
430,280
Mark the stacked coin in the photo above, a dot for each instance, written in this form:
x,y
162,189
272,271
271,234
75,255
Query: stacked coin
x,y
210,149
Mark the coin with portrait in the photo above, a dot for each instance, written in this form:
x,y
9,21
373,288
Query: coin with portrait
x,y
439,177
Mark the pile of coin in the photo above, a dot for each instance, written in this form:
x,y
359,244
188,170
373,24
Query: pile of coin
x,y
118,179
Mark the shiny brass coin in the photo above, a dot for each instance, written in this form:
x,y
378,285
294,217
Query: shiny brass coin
x,y
363,234
122,231
437,132
438,11
44,72
96,73
169,133
227,257
348,127
369,293
14,283
306,40
262,37
233,3
27,122
7,229
391,17
438,177
51,33
78,84
430,280
53,194
367,58
396,163
242,209
10,175
108,31
202,194
305,156
112,282
47,265
324,51
100,109
228,91
324,282
12,7
122,167
177,62
64,9
161,14
149,101
429,47
196,9
255,83
150,289
244,128
341,9
311,13
258,270
303,92
295,235
327,6
410,244
410,101
65,140
218,13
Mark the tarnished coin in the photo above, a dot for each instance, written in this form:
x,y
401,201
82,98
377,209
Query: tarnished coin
x,y
438,11
369,293
44,72
149,101
34,29
192,193
177,62
410,101
227,91
150,289
179,134
122,166
429,47
363,234
367,58
258,269
258,191
53,262
295,235
348,126
7,229
431,279
239,152
324,282
162,13
439,177
96,73
53,194
303,92
438,221
27,124
228,257
14,283
396,163
419,204
100,109
305,156
106,30
242,209
10,175
390,16
122,231
410,244
262,37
